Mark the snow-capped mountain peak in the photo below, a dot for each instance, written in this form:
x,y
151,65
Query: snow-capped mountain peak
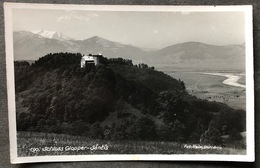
x,y
52,35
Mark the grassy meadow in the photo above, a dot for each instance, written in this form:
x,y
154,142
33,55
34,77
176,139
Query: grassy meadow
x,y
47,144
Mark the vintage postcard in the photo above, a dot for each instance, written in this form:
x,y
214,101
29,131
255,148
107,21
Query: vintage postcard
x,y
100,82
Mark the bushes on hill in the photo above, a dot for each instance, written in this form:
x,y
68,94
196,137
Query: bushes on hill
x,y
63,98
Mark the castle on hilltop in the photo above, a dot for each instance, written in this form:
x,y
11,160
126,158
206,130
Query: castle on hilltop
x,y
90,59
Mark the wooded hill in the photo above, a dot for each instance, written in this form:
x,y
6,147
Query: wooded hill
x,y
116,100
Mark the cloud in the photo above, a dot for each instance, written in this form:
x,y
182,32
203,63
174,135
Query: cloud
x,y
72,15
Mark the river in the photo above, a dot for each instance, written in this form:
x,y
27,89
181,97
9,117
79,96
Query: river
x,y
231,79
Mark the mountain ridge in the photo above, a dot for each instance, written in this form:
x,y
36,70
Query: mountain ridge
x,y
187,54
52,35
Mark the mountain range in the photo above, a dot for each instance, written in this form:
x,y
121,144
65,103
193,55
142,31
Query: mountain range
x,y
184,56
52,35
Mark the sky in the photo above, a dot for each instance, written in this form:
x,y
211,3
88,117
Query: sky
x,y
142,29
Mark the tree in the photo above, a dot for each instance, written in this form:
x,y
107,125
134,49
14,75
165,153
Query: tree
x,y
182,84
212,134
23,121
178,130
235,135
96,131
145,129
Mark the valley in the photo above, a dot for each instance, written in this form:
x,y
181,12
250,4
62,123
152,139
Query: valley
x,y
219,87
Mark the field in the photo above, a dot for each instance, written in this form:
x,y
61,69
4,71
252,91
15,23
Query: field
x,y
242,80
210,87
44,144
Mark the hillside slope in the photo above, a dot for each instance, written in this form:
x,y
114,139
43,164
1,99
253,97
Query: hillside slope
x,y
136,101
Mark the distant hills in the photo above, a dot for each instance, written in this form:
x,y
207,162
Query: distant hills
x,y
186,56
200,56
31,46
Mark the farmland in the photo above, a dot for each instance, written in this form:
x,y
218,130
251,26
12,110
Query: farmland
x,y
39,144
210,87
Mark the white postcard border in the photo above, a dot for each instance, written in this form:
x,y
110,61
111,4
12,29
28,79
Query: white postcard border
x,y
249,157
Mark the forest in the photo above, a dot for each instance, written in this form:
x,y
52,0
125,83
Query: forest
x,y
117,100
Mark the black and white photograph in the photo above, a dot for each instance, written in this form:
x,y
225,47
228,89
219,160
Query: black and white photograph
x,y
118,82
